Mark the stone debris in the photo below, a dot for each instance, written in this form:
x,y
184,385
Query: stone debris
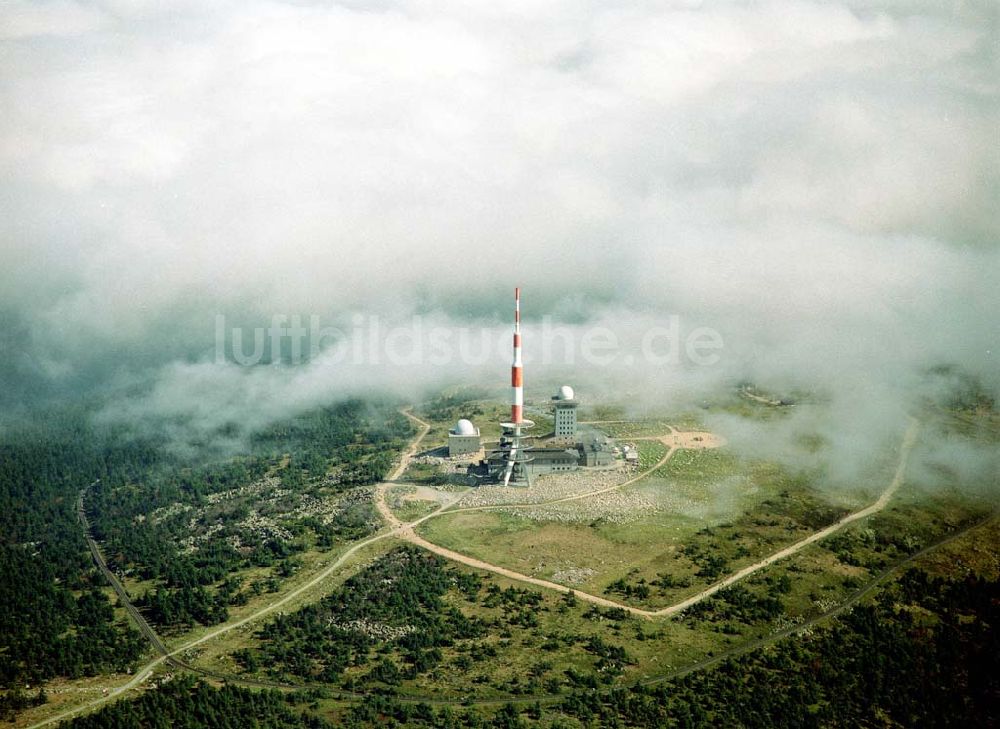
x,y
258,486
165,512
271,511
545,488
573,575
614,507
372,629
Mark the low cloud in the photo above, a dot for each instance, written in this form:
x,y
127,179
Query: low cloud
x,y
815,182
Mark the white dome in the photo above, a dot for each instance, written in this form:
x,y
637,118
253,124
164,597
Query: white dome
x,y
565,393
464,427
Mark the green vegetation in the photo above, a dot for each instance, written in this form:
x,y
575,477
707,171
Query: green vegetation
x,y
426,473
922,653
716,514
408,505
54,619
603,412
650,453
396,602
444,411
646,428
165,520
190,704
698,467
16,701
412,622
925,654
450,406
200,537
187,530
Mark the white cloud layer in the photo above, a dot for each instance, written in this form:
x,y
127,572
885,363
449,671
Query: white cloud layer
x,y
816,180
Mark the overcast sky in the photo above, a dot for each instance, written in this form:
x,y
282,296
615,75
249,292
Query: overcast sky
x,y
817,182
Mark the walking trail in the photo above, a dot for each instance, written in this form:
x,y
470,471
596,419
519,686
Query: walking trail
x,y
674,441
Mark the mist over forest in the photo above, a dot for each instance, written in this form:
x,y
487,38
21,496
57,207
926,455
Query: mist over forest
x,y
267,456
814,183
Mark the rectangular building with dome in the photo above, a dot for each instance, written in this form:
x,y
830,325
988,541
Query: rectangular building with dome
x,y
463,439
565,405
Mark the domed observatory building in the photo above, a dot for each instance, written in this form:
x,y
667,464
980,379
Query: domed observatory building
x,y
463,439
565,414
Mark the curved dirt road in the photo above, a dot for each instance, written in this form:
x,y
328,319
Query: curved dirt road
x,y
674,441
406,531
166,655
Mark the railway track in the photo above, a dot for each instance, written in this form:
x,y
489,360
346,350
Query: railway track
x,y
165,655
171,657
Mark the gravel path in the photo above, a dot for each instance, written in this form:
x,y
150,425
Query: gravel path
x,y
406,532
